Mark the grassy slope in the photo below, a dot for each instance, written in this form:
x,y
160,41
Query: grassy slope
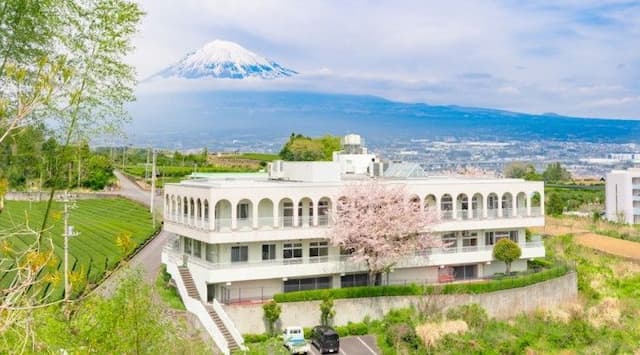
x,y
98,221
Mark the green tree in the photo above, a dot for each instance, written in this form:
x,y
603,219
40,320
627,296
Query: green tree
x,y
327,312
507,251
555,204
272,311
555,172
303,148
519,170
99,172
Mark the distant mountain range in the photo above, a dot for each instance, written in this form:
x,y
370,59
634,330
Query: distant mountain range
x,y
195,118
224,60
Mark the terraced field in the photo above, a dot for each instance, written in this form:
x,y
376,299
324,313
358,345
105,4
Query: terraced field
x,y
98,221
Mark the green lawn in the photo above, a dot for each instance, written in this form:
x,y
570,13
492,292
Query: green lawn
x,y
98,221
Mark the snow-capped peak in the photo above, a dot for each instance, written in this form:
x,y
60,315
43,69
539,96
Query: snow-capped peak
x,y
224,59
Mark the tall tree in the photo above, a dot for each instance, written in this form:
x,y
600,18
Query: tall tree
x,y
555,172
378,225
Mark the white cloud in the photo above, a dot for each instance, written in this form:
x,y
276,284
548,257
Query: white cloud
x,y
540,57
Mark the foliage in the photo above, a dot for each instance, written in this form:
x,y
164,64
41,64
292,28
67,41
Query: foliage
x,y
169,294
302,148
326,311
378,224
555,204
177,171
555,172
352,328
519,170
32,159
419,290
473,314
255,338
575,196
95,249
130,322
272,311
507,251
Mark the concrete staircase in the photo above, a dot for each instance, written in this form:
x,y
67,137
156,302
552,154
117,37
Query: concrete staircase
x,y
192,291
231,343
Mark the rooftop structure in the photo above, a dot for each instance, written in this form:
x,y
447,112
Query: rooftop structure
x,y
623,196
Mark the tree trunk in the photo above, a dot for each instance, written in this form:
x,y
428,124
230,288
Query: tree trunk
x,y
508,268
372,277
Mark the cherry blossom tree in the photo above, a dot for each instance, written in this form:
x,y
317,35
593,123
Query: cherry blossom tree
x,y
378,224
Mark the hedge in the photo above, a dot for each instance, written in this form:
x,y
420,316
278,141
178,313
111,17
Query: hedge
x,y
418,290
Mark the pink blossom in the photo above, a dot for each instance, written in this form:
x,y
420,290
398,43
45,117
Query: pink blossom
x,y
379,224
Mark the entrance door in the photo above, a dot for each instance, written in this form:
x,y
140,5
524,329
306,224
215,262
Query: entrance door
x,y
211,292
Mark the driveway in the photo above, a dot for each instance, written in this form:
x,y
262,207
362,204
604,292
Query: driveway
x,y
355,345
148,258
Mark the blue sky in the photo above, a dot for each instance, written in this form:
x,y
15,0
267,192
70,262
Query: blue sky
x,y
576,57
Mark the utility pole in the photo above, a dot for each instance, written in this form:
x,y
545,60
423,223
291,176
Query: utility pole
x,y
153,189
124,152
146,166
68,233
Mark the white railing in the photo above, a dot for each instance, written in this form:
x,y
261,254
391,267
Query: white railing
x,y
507,212
175,254
196,307
228,323
492,213
521,211
536,211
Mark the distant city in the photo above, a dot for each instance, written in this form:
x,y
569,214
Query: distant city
x,y
582,159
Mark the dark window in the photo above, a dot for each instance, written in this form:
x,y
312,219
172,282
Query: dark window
x,y
243,211
187,246
319,250
197,249
354,280
465,272
239,254
292,251
312,283
268,251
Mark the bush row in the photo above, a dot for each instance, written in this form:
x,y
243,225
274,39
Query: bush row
x,y
417,290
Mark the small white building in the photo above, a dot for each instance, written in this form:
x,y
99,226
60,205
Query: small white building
x,y
623,196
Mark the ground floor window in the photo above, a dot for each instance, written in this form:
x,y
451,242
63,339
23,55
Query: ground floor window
x,y
313,283
210,253
292,252
465,272
187,246
354,280
197,249
239,254
268,251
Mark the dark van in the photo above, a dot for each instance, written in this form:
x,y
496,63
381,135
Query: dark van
x,y
325,339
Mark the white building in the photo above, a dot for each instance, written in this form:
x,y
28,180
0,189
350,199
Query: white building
x,y
623,196
245,237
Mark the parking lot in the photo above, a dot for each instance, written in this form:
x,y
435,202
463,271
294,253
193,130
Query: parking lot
x,y
355,345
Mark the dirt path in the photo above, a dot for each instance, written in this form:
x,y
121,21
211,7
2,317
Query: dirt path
x,y
585,237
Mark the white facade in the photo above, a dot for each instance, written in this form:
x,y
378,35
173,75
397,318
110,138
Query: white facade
x,y
250,236
623,196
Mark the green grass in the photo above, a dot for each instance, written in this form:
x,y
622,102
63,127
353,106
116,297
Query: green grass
x,y
99,222
266,157
167,293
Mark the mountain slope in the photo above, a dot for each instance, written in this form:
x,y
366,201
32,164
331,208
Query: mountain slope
x,y
226,60
191,118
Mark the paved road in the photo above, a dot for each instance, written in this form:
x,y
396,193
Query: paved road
x,y
147,259
355,345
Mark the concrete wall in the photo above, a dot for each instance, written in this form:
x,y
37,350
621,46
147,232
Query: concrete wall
x,y
44,195
501,305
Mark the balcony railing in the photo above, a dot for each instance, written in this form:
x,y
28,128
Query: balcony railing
x,y
417,259
244,224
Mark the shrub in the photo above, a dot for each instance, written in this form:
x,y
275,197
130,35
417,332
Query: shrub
x,y
420,290
473,314
431,333
352,329
326,311
272,312
255,338
401,333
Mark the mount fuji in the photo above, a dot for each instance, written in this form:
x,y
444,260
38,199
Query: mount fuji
x,y
224,60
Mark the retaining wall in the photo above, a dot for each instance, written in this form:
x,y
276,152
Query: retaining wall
x,y
501,304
